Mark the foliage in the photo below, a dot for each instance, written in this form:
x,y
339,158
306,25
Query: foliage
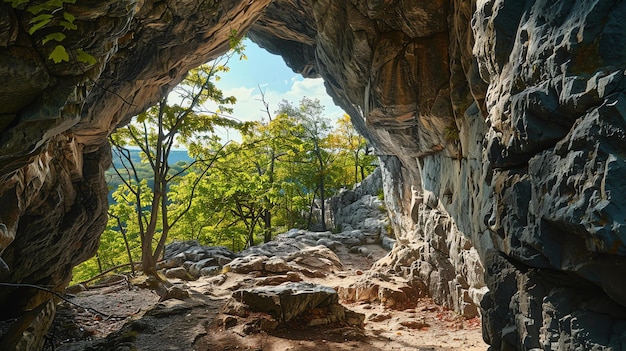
x,y
155,132
52,14
143,210
354,154
267,183
236,194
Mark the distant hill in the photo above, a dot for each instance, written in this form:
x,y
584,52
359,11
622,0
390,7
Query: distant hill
x,y
175,157
143,169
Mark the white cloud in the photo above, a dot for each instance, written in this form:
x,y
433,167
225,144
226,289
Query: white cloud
x,y
249,106
249,103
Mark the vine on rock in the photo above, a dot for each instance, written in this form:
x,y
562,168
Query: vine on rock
x,y
52,13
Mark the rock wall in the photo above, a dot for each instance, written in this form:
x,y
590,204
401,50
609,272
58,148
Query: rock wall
x,y
55,119
393,67
500,126
555,150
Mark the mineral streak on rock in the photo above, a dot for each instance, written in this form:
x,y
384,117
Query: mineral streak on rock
x,y
500,126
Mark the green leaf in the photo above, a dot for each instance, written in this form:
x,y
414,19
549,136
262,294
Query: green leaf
x,y
141,117
16,3
59,54
35,9
69,17
68,25
38,22
54,3
57,36
85,57
48,7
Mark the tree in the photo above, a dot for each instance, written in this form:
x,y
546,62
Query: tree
x,y
272,143
314,132
245,185
353,149
280,168
156,132
258,184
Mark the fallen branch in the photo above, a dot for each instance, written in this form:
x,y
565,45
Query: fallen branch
x,y
18,285
85,282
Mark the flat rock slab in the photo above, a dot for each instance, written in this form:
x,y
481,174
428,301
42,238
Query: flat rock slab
x,y
286,301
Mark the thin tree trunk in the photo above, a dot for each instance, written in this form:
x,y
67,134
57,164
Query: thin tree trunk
x,y
99,263
130,256
311,210
323,200
356,168
321,184
267,226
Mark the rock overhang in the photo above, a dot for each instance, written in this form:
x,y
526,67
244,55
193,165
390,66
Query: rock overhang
x,y
499,122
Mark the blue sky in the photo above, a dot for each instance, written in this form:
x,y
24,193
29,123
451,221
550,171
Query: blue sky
x,y
278,82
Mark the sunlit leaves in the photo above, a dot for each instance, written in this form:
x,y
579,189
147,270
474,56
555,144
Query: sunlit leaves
x,y
183,122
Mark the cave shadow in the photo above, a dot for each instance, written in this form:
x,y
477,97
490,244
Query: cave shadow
x,y
299,338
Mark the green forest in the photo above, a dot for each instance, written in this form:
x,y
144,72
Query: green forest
x,y
222,193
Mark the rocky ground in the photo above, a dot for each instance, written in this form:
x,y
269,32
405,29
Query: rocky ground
x,y
394,315
301,291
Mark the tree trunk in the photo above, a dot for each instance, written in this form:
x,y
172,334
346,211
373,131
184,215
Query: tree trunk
x,y
253,223
321,184
311,211
356,168
148,263
130,256
99,263
323,205
267,224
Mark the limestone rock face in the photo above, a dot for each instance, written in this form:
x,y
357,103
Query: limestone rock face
x,y
500,126
555,149
55,119
394,67
502,129
360,208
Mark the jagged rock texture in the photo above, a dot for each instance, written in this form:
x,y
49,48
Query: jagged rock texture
x,y
500,126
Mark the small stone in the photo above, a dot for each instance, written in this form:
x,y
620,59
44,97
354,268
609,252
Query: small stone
x,y
331,244
417,325
210,271
379,317
235,308
247,264
178,273
228,322
75,289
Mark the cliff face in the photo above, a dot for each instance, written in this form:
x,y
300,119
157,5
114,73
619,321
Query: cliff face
x,y
500,126
502,129
55,119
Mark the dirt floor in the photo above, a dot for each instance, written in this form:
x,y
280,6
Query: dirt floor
x,y
137,321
